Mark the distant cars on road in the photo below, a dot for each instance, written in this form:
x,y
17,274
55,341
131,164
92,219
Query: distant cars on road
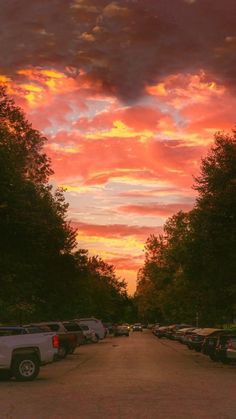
x,y
121,330
137,327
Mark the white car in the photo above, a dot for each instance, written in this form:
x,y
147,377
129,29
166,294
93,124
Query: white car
x,y
95,325
22,353
89,334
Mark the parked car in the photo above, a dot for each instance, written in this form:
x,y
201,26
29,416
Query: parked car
x,y
231,349
89,334
127,325
190,336
209,344
155,328
137,327
22,353
74,327
221,349
173,329
121,330
152,325
161,331
181,333
197,338
109,327
68,341
95,325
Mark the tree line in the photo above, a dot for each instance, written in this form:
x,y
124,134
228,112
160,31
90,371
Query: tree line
x,y
189,271
43,273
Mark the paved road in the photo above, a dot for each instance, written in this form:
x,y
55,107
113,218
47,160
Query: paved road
x,y
139,377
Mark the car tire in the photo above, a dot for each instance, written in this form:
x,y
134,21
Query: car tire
x,y
95,339
25,367
62,352
226,360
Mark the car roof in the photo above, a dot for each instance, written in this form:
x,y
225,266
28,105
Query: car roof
x,y
11,327
185,329
208,331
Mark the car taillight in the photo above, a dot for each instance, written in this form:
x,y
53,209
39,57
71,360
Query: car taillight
x,y
229,344
55,341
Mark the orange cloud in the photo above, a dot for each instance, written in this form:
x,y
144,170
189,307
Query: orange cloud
x,y
127,109
164,210
180,89
115,230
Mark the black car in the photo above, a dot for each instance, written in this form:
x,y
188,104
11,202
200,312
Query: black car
x,y
161,331
209,344
137,327
197,338
220,353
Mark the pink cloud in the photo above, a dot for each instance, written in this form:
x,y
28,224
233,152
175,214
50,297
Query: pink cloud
x,y
116,230
126,262
155,209
165,192
136,117
98,161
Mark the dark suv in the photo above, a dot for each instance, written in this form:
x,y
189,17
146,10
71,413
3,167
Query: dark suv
x,y
222,345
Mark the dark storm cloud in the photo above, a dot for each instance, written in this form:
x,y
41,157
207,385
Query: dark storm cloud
x,y
123,45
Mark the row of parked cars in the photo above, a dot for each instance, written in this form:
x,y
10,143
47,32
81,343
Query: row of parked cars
x,y
218,344
24,348
124,329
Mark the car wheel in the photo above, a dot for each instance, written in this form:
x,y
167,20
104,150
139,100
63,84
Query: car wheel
x,y
62,352
95,339
225,360
25,368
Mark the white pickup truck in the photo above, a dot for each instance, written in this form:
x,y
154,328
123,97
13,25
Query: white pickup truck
x,y
22,352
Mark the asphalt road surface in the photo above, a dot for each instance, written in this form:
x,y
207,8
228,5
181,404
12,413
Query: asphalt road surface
x,y
126,377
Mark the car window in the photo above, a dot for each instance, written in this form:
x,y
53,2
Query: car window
x,y
53,327
72,327
33,329
11,332
84,327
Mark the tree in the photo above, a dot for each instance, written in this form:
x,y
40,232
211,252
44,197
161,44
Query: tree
x,y
191,267
214,230
33,227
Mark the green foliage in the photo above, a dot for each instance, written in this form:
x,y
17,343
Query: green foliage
x,y
42,275
191,268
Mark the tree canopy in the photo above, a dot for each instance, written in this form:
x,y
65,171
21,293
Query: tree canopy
x,y
42,273
190,269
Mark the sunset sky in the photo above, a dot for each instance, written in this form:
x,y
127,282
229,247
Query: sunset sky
x,y
129,94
